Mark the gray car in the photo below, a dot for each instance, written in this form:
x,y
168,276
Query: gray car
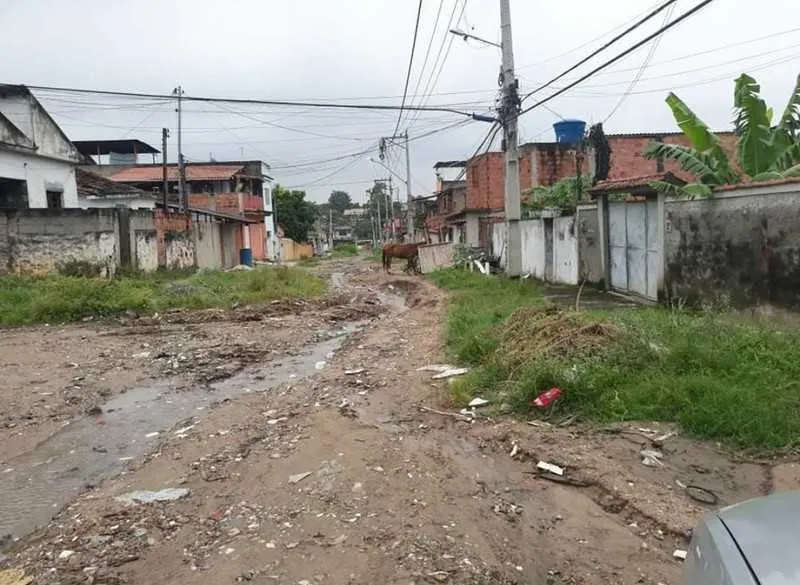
x,y
756,542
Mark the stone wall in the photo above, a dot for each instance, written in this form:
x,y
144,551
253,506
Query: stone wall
x,y
739,248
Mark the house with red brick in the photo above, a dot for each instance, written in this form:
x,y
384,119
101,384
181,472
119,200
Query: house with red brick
x,y
545,163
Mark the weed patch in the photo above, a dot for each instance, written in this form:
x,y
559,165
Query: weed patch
x,y
720,376
59,298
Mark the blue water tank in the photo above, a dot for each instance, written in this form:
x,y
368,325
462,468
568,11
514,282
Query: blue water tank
x,y
246,256
569,131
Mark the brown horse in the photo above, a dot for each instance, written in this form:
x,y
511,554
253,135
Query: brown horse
x,y
408,251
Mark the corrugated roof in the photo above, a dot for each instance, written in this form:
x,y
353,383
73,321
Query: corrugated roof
x,y
634,183
130,146
770,183
147,174
92,185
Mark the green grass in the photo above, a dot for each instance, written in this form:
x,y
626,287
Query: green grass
x,y
344,251
720,376
59,298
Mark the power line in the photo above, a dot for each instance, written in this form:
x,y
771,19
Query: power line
x,y
320,179
288,103
447,39
593,54
410,64
428,50
626,52
647,59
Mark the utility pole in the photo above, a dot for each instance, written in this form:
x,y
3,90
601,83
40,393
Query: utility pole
x,y
330,228
391,206
509,112
182,199
380,223
410,210
164,136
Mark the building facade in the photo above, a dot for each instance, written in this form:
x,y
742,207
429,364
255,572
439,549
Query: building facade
x,y
37,160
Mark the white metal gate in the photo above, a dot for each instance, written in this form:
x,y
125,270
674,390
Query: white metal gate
x,y
633,238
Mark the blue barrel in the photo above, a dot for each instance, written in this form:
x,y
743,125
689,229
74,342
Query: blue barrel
x,y
246,256
569,131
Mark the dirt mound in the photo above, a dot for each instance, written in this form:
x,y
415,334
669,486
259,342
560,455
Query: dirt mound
x,y
532,333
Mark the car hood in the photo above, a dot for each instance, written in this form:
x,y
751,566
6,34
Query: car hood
x,y
767,532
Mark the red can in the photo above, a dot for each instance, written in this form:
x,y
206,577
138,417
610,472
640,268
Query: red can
x,y
547,398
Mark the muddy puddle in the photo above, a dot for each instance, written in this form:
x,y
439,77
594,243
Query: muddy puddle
x,y
37,484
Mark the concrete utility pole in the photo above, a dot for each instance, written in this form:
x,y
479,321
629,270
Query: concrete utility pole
x,y
164,136
509,112
183,202
391,205
410,210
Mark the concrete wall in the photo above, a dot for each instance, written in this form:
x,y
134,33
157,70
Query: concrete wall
x,y
292,251
472,229
39,241
112,202
180,251
740,248
208,244
42,175
590,261
565,251
230,251
435,257
549,248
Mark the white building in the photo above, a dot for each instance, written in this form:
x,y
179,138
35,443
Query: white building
x,y
37,160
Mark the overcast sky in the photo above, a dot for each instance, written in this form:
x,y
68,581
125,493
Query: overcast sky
x,y
358,50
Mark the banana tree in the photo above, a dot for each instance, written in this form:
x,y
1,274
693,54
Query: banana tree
x,y
763,151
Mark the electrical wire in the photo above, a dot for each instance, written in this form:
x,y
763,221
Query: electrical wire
x,y
343,168
593,54
621,55
430,86
288,103
640,72
410,65
428,50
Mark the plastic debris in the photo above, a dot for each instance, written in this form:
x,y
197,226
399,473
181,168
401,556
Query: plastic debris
x,y
450,373
547,398
151,435
550,468
297,478
680,554
476,402
354,372
651,458
319,365
148,497
65,554
436,368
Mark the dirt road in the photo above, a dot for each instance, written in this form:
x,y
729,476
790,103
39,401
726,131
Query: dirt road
x,y
297,451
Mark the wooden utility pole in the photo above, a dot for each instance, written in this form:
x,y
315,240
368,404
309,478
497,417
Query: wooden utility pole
x,y
509,113
165,178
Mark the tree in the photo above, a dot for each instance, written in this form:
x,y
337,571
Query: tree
x,y
763,152
340,201
379,195
294,213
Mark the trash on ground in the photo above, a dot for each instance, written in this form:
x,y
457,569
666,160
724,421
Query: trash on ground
x,y
465,414
151,435
651,458
297,478
660,440
476,402
148,497
450,373
680,554
239,268
436,368
550,468
354,372
539,423
514,450
547,398
319,365
65,554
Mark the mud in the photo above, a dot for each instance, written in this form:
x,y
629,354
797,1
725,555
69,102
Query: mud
x,y
340,477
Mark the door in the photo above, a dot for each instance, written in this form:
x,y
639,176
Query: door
x,y
634,253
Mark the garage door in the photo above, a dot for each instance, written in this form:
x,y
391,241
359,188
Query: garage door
x,y
633,238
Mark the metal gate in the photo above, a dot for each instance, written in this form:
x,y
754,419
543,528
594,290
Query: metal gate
x,y
633,238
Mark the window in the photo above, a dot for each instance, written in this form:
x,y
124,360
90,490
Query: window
x,y
55,200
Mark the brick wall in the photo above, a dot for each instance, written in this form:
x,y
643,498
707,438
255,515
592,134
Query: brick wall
x,y
547,163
